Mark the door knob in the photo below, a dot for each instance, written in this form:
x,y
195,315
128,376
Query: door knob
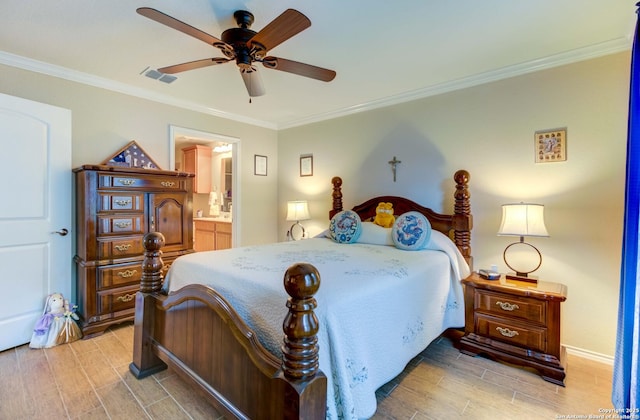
x,y
61,232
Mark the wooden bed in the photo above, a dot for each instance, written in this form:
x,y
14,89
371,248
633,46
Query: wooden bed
x,y
197,333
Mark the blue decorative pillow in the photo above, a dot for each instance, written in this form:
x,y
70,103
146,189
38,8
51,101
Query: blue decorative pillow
x,y
345,227
411,231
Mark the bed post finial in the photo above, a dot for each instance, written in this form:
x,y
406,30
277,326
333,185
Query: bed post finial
x,y
305,385
337,196
463,219
145,362
152,264
300,350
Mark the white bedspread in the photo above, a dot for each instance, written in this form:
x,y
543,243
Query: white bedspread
x,y
378,306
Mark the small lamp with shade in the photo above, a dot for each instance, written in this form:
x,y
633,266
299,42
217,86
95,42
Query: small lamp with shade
x,y
296,211
522,219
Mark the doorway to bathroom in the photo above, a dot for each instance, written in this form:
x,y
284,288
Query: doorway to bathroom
x,y
219,196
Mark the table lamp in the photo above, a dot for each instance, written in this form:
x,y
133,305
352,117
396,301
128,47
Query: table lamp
x,y
522,219
296,211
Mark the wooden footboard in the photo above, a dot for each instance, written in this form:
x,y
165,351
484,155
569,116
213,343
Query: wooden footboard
x,y
198,334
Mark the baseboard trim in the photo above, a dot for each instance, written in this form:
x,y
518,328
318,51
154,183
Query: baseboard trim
x,y
588,354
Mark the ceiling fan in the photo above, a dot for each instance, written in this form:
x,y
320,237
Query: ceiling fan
x,y
246,47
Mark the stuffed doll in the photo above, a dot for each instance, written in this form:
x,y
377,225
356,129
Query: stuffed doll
x,y
384,215
71,331
56,325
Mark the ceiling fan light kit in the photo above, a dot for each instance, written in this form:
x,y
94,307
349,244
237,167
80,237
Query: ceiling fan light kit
x,y
246,46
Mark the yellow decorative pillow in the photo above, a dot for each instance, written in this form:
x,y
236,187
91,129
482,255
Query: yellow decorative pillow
x,y
384,215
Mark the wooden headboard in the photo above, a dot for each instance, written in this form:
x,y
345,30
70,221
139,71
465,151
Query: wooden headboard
x,y
456,226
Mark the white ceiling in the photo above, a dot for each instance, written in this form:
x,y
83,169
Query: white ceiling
x,y
384,52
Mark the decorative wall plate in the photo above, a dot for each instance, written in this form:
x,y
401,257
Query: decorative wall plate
x,y
131,156
551,145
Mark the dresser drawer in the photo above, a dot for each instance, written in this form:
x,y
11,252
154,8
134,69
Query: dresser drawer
x,y
117,300
521,335
121,201
120,247
120,224
109,181
511,306
119,275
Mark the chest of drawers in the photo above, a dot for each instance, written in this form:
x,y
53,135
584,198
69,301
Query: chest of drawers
x,y
514,321
115,208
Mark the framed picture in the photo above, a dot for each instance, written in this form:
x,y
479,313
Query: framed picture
x,y
551,145
131,156
260,165
306,165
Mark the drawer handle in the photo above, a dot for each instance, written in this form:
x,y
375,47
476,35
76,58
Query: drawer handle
x,y
122,247
126,181
507,306
123,203
167,183
122,225
507,332
127,274
126,298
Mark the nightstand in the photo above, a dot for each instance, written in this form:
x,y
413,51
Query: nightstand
x,y
517,322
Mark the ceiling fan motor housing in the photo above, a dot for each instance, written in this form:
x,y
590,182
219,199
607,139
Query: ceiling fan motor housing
x,y
237,38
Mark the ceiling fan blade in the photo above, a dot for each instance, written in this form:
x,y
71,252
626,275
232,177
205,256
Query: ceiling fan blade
x,y
298,68
191,65
174,23
252,81
288,24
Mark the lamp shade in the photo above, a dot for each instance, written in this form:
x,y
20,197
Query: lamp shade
x,y
297,210
523,219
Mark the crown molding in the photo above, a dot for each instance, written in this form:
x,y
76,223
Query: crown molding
x,y
579,54
108,84
573,56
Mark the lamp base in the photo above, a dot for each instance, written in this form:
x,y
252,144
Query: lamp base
x,y
521,277
290,234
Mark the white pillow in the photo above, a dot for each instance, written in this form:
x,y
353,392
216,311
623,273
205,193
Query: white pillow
x,y
375,234
411,231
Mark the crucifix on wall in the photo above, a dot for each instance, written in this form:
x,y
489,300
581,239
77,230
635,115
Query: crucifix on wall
x,y
394,164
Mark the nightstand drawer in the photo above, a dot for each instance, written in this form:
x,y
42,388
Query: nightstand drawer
x,y
511,306
513,333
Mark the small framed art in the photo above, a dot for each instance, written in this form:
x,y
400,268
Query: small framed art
x,y
551,145
260,165
306,165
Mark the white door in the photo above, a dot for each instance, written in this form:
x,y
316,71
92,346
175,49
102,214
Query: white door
x,y
35,203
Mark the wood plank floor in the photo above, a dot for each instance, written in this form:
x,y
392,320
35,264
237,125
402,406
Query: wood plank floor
x,y
89,379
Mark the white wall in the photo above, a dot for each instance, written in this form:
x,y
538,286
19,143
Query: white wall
x,y
105,121
489,131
